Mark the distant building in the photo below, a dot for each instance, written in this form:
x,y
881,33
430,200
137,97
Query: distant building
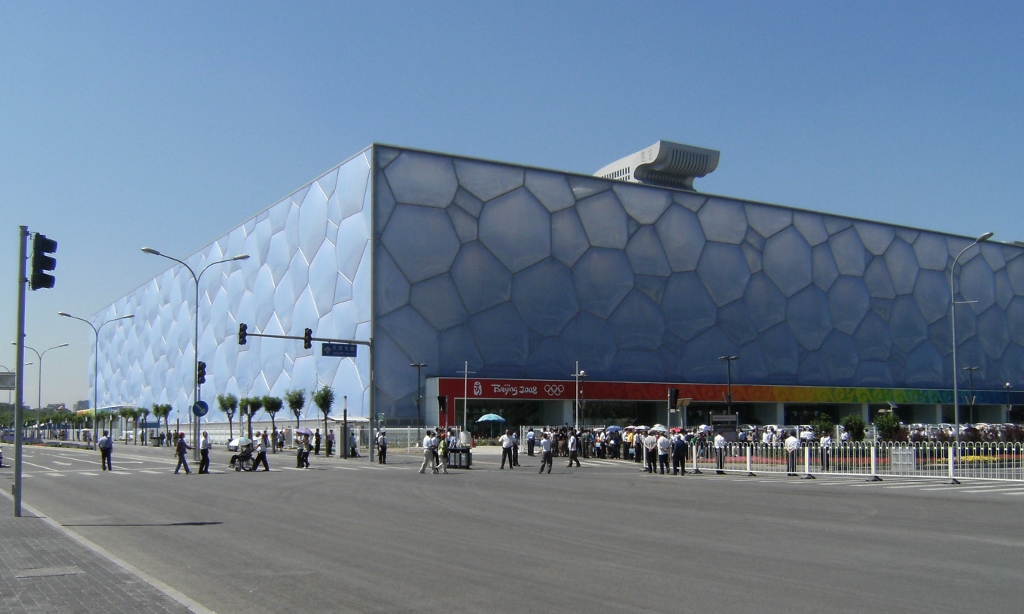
x,y
520,273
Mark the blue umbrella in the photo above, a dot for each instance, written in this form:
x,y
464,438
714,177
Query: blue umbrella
x,y
491,418
613,428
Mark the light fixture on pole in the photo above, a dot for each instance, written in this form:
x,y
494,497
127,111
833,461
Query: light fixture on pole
x,y
419,396
728,381
970,399
578,375
952,324
465,396
96,363
39,399
195,338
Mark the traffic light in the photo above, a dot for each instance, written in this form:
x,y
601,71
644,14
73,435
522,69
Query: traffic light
x,y
307,338
673,397
42,262
201,372
242,333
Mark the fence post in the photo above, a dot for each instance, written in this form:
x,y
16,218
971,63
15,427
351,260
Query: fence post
x,y
807,463
874,463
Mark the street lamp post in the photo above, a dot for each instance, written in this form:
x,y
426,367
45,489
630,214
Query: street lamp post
x,y
578,375
95,364
419,396
952,324
39,399
195,338
728,381
970,400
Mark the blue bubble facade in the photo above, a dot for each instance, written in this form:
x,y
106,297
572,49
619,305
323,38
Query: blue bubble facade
x,y
441,259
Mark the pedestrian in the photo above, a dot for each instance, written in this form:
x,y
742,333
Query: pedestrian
x,y
106,446
506,449
826,450
442,451
299,452
719,443
382,448
261,455
330,442
515,448
428,453
792,445
679,455
180,449
664,446
545,448
204,453
266,440
530,441
316,443
574,448
650,452
306,448
353,444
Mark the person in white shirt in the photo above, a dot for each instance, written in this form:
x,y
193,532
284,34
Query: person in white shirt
x,y
382,448
826,450
506,448
545,448
261,455
650,452
792,445
428,453
204,453
664,445
720,453
574,446
530,441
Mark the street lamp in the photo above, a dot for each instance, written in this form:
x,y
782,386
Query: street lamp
x,y
970,399
728,381
952,323
419,396
95,364
195,338
39,399
578,375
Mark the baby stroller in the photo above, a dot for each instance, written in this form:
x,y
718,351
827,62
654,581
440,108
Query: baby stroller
x,y
243,460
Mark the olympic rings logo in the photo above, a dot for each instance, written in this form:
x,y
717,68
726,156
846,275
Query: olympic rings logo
x,y
554,390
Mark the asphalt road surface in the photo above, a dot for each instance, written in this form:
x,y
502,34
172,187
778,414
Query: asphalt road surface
x,y
355,536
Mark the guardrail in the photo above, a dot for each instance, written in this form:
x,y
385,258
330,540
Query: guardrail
x,y
986,460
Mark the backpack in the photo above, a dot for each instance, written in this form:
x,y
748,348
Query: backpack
x,y
105,443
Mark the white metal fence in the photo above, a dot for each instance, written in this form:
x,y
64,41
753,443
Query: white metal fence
x,y
989,460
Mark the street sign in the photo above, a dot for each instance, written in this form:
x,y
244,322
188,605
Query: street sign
x,y
7,380
380,417
200,409
340,350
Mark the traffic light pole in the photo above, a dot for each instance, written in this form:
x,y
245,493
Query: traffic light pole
x,y
19,362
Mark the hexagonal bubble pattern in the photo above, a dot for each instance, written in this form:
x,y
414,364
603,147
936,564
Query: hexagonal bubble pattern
x,y
290,277
470,260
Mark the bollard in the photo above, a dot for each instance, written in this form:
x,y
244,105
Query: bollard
x,y
807,464
874,464
750,472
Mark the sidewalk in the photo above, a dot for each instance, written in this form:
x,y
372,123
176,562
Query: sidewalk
x,y
43,568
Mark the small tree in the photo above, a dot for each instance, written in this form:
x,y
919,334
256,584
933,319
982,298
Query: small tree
x,y
255,405
889,426
144,412
854,425
296,400
822,424
163,411
324,399
229,405
126,413
272,405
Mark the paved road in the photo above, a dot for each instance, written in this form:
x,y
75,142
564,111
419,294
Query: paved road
x,y
353,536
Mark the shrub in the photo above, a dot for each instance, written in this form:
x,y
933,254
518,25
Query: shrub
x,y
854,425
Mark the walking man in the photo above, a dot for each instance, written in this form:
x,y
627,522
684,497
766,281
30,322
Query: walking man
x,y
826,450
204,453
330,442
530,441
428,453
545,448
720,453
261,455
382,448
316,443
180,449
678,455
106,446
574,448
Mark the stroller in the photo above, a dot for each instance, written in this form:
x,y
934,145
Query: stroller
x,y
243,460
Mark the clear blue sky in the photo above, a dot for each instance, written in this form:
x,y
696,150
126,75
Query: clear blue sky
x,y
165,124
